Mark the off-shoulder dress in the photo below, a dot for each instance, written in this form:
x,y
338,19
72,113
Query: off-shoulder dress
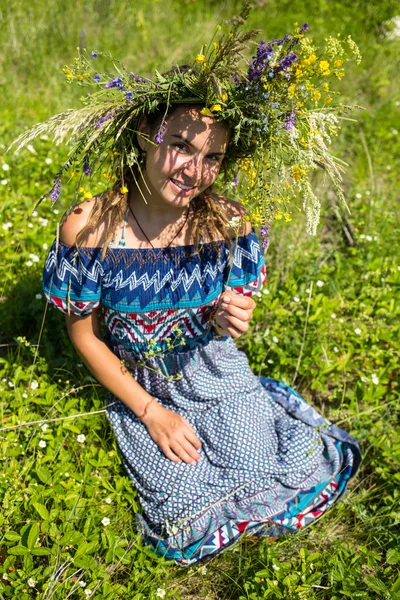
x,y
270,463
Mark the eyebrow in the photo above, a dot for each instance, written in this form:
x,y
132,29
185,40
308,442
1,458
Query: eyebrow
x,y
187,141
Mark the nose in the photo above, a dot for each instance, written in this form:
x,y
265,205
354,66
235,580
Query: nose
x,y
192,168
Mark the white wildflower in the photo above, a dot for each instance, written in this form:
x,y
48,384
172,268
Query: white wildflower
x,y
10,383
34,213
234,222
88,592
34,385
82,584
357,331
45,246
42,444
270,361
5,167
160,593
5,577
374,379
38,296
276,568
45,427
275,339
56,211
364,379
296,299
106,521
394,131
7,225
320,283
30,225
66,474
31,582
81,438
335,349
24,395
48,161
358,195
43,222
44,137
29,263
34,257
203,570
108,500
265,291
4,181
31,148
368,238
333,316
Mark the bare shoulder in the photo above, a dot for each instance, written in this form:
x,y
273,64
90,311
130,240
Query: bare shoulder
x,y
233,209
75,221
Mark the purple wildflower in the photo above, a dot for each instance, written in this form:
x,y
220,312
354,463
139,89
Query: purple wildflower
x,y
235,79
287,61
305,27
86,168
55,190
117,82
158,138
258,64
94,54
265,235
291,120
96,78
236,180
104,118
128,94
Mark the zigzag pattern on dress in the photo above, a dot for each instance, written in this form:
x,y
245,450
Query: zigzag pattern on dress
x,y
83,275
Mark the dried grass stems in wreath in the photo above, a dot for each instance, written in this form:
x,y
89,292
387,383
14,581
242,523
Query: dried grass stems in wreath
x,y
279,107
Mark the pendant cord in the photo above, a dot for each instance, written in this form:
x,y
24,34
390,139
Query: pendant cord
x,y
175,236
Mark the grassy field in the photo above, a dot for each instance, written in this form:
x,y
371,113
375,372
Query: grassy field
x,y
327,322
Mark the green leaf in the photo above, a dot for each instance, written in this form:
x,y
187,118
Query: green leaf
x,y
44,474
396,585
375,584
393,556
13,536
86,548
41,551
42,510
33,535
85,562
71,537
18,550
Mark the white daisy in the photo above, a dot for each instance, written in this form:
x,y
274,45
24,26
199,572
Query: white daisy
x,y
81,438
106,521
42,444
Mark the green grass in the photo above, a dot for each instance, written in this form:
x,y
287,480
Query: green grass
x,y
332,304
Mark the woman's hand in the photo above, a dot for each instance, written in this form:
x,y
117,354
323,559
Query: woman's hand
x,y
234,313
173,434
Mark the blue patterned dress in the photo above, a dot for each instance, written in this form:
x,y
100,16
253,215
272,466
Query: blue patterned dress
x,y
270,464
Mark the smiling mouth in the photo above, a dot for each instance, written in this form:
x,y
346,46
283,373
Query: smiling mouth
x,y
182,186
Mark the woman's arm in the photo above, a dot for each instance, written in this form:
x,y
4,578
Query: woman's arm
x,y
172,433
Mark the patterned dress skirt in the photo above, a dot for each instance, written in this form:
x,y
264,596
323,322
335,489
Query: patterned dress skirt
x,y
270,464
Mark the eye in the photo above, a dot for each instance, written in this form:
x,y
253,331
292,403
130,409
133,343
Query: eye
x,y
180,146
214,157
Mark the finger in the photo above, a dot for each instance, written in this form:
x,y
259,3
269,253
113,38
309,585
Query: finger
x,y
169,454
228,321
239,313
190,449
181,452
193,439
230,297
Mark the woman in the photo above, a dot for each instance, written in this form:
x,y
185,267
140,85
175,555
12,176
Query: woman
x,y
213,451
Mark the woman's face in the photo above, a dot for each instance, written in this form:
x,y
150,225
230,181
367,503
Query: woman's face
x,y
188,159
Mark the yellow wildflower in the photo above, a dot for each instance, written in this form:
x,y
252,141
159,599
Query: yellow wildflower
x,y
291,90
338,63
288,217
69,77
124,190
224,97
278,215
340,74
326,87
200,58
328,99
316,95
215,108
300,104
326,72
81,189
67,71
206,111
298,73
298,172
79,77
87,195
324,65
312,59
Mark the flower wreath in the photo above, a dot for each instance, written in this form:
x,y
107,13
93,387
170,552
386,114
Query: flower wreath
x,y
278,105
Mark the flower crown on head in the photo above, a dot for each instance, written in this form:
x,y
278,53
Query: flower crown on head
x,y
278,106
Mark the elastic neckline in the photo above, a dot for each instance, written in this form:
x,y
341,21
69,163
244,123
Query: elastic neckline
x,y
183,246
